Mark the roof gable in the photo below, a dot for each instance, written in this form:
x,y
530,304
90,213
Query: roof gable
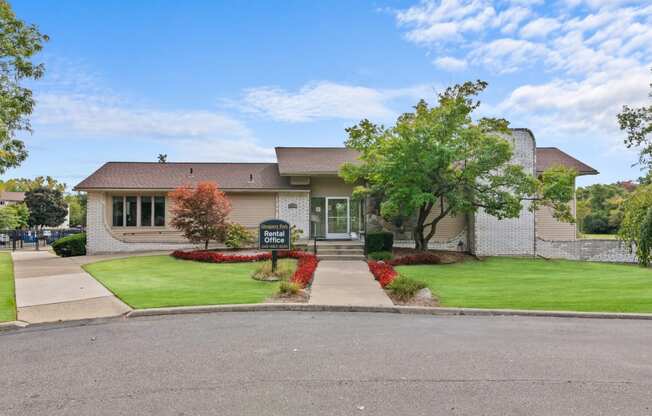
x,y
313,160
550,156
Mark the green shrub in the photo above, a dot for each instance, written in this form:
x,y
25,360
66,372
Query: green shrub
x,y
288,288
237,236
72,245
284,270
380,255
379,241
404,288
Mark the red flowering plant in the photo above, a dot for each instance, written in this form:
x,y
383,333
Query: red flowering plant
x,y
306,264
384,272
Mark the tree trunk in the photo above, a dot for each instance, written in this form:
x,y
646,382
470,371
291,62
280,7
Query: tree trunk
x,y
206,244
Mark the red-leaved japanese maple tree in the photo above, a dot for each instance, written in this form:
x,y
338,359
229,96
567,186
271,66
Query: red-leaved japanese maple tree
x,y
200,212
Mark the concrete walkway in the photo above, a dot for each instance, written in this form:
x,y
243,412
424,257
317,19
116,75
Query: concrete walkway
x,y
346,283
51,288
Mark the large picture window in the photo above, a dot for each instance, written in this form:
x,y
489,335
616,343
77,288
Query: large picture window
x,y
131,211
143,211
118,211
159,211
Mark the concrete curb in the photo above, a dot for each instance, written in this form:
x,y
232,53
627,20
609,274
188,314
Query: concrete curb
x,y
414,310
12,325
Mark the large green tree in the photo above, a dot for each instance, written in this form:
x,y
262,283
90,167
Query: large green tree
x,y
439,157
47,207
636,226
19,43
77,208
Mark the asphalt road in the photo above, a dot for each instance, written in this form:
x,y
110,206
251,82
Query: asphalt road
x,y
330,364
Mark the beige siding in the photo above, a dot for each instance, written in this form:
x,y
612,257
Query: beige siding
x,y
549,228
251,209
448,227
329,186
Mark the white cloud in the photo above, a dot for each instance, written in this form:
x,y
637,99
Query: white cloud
x,y
327,100
567,107
540,27
508,55
449,63
100,116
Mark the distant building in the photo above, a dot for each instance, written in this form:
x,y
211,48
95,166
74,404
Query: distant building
x,y
10,198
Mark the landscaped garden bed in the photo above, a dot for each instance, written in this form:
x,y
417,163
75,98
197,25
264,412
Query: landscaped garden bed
x,y
7,289
213,278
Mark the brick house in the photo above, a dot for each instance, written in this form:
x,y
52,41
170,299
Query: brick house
x,y
128,206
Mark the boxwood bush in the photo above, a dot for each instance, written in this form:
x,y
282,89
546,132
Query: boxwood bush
x,y
380,255
72,245
379,241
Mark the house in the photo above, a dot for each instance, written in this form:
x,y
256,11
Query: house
x,y
11,198
129,210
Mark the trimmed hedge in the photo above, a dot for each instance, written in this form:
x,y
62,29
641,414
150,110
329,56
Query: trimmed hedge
x,y
379,241
72,245
380,255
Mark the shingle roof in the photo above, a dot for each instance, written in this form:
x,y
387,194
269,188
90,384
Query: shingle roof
x,y
313,160
12,196
551,156
145,175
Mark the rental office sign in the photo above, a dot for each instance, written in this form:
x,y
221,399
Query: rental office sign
x,y
274,235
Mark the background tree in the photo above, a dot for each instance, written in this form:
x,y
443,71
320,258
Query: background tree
x,y
15,216
77,209
201,212
19,43
636,227
637,123
47,207
25,184
438,157
600,207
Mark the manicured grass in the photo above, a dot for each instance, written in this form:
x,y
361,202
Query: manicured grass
x,y
538,284
598,236
160,281
7,289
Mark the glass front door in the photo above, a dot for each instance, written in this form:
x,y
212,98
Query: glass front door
x,y
337,218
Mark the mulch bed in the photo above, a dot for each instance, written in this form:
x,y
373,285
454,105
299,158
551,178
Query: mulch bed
x,y
447,257
301,297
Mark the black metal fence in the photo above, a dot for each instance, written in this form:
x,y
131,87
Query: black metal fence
x,y
33,239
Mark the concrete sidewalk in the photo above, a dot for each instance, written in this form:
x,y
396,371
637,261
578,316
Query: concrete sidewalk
x,y
51,288
347,283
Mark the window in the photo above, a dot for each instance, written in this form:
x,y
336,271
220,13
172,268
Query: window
x,y
159,211
127,214
146,211
118,211
131,211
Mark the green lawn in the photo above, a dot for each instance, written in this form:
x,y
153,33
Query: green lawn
x,y
160,281
598,236
7,289
538,284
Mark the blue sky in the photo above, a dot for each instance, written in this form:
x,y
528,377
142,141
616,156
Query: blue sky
x,y
218,81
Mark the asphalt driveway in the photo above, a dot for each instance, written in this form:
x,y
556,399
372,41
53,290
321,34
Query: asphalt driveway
x,y
330,364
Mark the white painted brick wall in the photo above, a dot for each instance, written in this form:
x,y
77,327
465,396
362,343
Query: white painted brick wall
x,y
509,237
450,245
100,240
299,216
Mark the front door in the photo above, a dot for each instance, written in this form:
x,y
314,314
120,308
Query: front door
x,y
338,223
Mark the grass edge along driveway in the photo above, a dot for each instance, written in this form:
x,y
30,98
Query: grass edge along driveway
x,y
537,284
163,281
7,288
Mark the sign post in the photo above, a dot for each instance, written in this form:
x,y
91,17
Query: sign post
x,y
274,235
